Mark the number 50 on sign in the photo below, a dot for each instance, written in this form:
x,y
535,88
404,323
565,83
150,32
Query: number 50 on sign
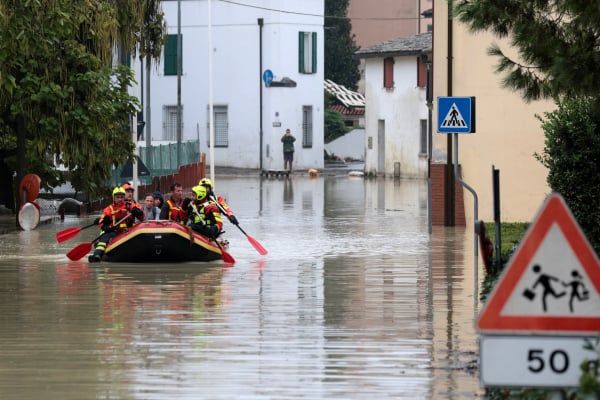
x,y
532,361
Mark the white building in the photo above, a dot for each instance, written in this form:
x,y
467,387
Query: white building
x,y
284,37
396,114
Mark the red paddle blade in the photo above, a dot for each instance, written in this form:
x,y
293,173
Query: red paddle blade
x,y
261,250
67,234
227,257
79,251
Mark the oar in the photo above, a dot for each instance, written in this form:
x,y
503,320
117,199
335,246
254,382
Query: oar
x,y
228,258
261,250
82,249
70,233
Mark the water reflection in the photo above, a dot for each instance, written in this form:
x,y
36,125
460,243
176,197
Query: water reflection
x,y
354,300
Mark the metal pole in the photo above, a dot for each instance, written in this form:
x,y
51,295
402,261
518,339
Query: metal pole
x,y
449,187
475,217
148,127
260,68
496,185
429,144
179,49
211,116
136,151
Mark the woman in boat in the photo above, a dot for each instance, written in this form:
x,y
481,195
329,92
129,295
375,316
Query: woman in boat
x,y
175,209
220,201
159,201
114,220
204,215
151,212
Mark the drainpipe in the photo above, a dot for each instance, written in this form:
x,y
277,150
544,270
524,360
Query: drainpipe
x,y
449,189
260,68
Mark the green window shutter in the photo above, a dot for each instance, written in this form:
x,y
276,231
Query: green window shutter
x,y
171,55
301,52
314,53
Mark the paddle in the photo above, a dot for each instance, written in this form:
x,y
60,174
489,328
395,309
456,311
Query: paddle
x,y
82,249
70,233
261,250
226,256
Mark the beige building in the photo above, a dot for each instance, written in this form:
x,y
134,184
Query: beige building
x,y
377,21
507,131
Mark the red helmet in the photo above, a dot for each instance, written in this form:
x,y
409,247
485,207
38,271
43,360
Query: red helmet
x,y
127,186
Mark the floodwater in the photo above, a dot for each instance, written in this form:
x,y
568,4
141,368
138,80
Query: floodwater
x,y
355,300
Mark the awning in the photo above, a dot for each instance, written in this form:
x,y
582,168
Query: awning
x,y
128,169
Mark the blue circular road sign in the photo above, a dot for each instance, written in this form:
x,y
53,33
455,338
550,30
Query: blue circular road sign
x,y
268,76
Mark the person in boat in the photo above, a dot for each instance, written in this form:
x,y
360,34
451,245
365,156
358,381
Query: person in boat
x,y
176,207
159,201
205,216
220,201
151,212
115,213
129,200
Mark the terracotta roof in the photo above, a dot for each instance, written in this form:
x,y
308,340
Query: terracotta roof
x,y
404,46
347,111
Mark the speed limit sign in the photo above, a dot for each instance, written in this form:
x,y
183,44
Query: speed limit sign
x,y
530,361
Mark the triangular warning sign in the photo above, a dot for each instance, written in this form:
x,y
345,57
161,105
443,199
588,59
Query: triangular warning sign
x,y
454,118
552,282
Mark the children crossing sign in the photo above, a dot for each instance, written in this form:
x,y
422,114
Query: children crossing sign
x,y
456,114
552,283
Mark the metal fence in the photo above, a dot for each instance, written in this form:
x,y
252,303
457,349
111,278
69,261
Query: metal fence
x,y
162,160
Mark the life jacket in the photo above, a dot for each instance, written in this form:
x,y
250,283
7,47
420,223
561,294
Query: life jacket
x,y
116,213
221,201
206,213
176,213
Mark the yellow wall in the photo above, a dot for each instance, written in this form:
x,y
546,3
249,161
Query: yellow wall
x,y
508,134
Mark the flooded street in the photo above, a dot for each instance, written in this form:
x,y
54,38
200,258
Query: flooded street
x,y
355,300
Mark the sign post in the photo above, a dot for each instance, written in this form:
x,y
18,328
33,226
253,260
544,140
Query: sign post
x,y
457,115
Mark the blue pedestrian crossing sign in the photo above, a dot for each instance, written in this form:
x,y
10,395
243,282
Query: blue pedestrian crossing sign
x,y
456,114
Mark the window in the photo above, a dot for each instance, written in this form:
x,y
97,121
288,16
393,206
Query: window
x,y
221,126
307,52
171,55
307,126
388,73
423,138
170,122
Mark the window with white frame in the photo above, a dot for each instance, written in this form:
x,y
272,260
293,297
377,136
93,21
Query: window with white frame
x,y
170,122
307,126
307,52
220,118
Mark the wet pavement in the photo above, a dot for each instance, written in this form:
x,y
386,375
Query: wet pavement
x,y
355,300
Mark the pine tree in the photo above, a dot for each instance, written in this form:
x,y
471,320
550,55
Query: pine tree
x,y
558,43
340,67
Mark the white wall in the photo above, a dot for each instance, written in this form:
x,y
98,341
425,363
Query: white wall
x,y
237,78
351,145
401,108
